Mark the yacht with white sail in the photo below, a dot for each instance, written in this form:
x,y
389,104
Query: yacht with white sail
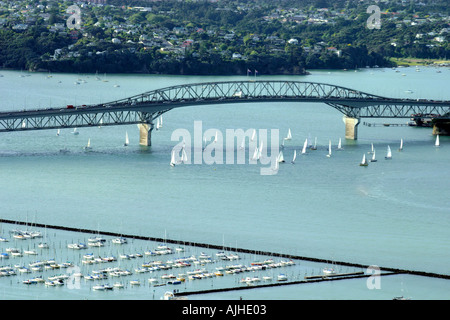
x,y
127,141
305,144
329,149
364,162
401,145
340,145
88,146
373,156
289,135
172,159
388,154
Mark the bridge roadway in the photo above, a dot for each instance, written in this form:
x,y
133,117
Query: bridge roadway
x,y
144,108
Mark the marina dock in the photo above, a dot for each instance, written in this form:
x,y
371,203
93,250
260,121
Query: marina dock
x,y
254,269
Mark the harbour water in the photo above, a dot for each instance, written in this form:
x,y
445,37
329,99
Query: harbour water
x,y
390,214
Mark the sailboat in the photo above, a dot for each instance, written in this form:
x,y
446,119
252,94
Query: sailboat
x,y
260,150
436,144
183,155
158,124
373,157
75,132
295,156
329,149
340,145
58,132
255,154
160,121
127,141
314,147
172,159
280,157
401,145
364,162
372,149
289,135
253,135
88,146
304,146
389,153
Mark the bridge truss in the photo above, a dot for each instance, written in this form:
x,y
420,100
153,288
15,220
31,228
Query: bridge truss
x,y
146,107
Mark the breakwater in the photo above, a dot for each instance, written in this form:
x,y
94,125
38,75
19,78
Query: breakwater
x,y
236,249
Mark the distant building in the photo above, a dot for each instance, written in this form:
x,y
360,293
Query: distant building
x,y
98,1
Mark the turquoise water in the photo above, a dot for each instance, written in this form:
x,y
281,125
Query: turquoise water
x,y
391,213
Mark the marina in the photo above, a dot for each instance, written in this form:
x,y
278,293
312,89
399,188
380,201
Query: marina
x,y
162,267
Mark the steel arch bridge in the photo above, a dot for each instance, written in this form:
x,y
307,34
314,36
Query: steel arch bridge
x,y
146,107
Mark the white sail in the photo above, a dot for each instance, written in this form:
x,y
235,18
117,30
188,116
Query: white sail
x,y
75,132
437,141
339,144
158,125
295,156
373,157
58,132
127,141
183,155
401,145
160,122
289,135
88,146
254,135
329,149
255,154
305,144
315,144
389,153
364,161
280,157
215,137
172,159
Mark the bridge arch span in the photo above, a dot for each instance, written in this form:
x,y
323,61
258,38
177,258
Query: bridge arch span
x,y
144,108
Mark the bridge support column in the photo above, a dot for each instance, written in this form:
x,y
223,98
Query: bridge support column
x,y
351,128
145,134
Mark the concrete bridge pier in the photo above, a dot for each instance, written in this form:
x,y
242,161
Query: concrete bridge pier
x,y
351,127
145,134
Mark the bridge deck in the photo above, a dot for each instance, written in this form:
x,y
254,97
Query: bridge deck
x,y
146,107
